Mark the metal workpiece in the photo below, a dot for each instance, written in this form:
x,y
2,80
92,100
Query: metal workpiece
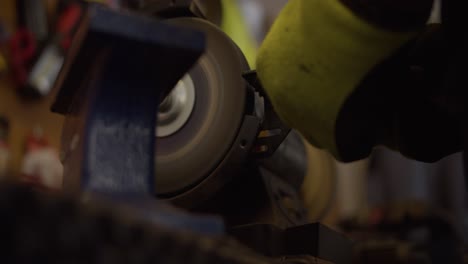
x,y
289,161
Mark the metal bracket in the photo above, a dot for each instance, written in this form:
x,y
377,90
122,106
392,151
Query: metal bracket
x,y
272,131
118,68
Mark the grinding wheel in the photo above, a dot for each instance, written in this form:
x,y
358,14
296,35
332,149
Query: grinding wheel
x,y
200,118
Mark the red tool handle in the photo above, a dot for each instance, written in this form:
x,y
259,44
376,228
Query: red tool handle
x,y
67,22
23,47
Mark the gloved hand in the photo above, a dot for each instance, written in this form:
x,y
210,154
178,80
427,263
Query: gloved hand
x,y
317,54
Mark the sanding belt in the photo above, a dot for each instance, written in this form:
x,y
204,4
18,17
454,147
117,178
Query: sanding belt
x,y
319,51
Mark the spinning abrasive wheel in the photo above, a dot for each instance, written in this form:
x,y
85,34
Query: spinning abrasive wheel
x,y
200,119
208,126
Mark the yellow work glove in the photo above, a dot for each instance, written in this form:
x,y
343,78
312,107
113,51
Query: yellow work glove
x,y
315,55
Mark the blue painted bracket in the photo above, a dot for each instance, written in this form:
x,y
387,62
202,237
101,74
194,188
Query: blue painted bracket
x,y
118,68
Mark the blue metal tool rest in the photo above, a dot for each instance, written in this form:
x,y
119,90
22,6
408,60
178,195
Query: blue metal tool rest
x,y
118,69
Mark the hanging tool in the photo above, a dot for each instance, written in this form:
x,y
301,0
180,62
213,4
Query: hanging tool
x,y
49,62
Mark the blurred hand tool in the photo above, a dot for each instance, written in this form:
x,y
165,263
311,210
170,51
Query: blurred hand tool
x,y
45,70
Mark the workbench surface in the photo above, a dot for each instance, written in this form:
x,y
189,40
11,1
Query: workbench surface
x,y
24,115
